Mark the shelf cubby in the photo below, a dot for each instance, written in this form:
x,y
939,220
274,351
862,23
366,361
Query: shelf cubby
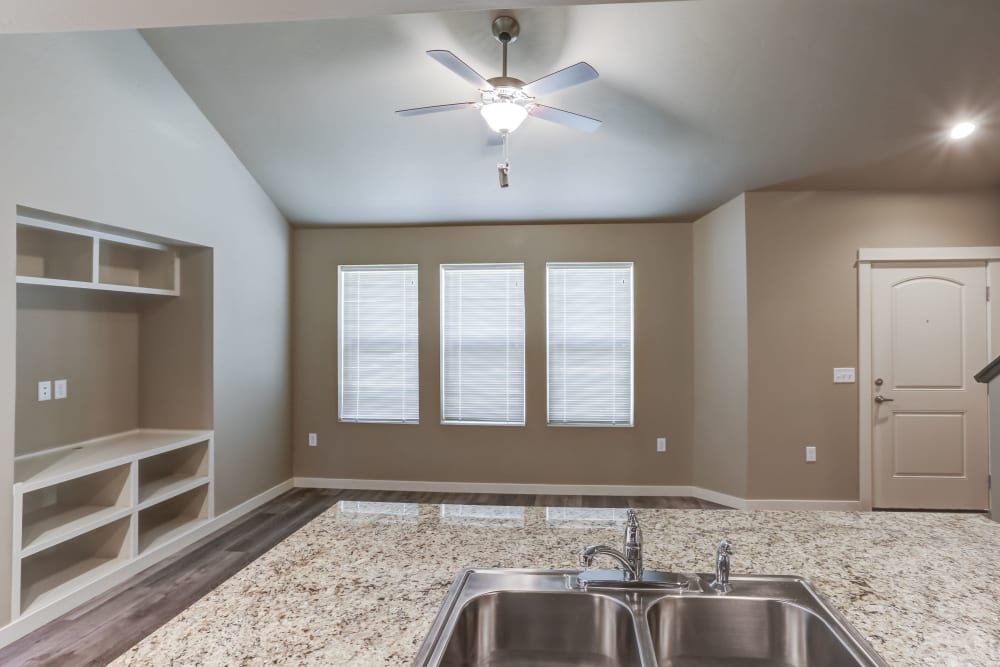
x,y
60,569
165,475
45,254
57,513
162,522
140,266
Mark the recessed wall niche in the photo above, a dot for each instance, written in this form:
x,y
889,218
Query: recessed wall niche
x,y
124,464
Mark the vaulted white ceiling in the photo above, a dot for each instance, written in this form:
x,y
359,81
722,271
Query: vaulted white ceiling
x,y
700,100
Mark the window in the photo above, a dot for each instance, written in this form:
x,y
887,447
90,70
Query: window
x,y
590,344
482,344
378,344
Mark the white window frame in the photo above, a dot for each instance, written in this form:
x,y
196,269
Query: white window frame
x,y
441,335
548,330
340,339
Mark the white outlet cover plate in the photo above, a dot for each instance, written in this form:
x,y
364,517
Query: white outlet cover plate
x,y
843,376
312,439
661,444
59,387
810,454
45,390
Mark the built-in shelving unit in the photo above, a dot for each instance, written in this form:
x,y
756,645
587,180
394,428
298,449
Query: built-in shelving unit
x,y
57,254
84,510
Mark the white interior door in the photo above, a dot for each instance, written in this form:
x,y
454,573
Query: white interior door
x,y
930,417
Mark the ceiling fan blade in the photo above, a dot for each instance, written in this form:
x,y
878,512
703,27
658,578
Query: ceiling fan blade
x,y
567,118
564,78
422,111
456,65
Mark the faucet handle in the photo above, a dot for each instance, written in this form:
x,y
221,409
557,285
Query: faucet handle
x,y
725,548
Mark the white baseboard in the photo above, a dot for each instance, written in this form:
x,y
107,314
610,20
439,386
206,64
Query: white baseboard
x,y
579,490
813,505
493,487
718,497
32,621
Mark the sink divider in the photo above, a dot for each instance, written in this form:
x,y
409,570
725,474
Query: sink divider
x,y
643,634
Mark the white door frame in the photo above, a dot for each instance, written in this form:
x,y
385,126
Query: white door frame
x,y
866,258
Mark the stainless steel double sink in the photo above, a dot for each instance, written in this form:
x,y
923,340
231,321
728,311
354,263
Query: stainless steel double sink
x,y
534,618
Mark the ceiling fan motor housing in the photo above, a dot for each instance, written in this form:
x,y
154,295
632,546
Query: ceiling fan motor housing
x,y
506,29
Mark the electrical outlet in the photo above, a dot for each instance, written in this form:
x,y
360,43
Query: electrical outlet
x,y
661,444
810,454
59,387
843,376
312,439
45,390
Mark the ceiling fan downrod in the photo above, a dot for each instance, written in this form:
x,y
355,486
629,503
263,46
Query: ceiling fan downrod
x,y
506,30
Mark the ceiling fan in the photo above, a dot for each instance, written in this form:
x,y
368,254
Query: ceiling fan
x,y
505,102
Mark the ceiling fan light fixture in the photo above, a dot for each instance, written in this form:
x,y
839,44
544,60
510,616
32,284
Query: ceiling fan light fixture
x,y
962,130
503,117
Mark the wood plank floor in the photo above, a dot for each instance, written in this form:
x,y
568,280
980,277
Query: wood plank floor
x,y
99,631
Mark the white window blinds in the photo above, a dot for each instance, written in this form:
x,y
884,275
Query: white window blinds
x,y
590,343
378,344
482,343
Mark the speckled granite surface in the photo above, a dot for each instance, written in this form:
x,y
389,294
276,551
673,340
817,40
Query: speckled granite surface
x,y
361,584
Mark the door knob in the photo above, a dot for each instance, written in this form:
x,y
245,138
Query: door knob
x,y
879,398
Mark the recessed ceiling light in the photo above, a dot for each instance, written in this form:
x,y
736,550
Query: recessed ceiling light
x,y
962,130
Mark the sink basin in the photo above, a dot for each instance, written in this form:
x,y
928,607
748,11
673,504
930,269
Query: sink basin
x,y
542,629
494,618
720,631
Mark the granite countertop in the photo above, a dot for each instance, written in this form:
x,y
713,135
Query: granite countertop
x,y
361,584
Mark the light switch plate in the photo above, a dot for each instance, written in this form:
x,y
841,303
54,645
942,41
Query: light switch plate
x,y
60,389
810,454
661,444
45,390
843,376
312,439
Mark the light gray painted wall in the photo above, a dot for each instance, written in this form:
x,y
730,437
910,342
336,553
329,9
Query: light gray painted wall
x,y
721,349
93,125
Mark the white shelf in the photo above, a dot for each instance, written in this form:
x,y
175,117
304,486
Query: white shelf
x,y
163,522
166,532
47,527
165,488
68,574
35,471
102,287
51,574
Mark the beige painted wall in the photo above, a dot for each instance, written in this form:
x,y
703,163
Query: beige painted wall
x,y
720,349
802,287
92,340
176,350
98,129
534,453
